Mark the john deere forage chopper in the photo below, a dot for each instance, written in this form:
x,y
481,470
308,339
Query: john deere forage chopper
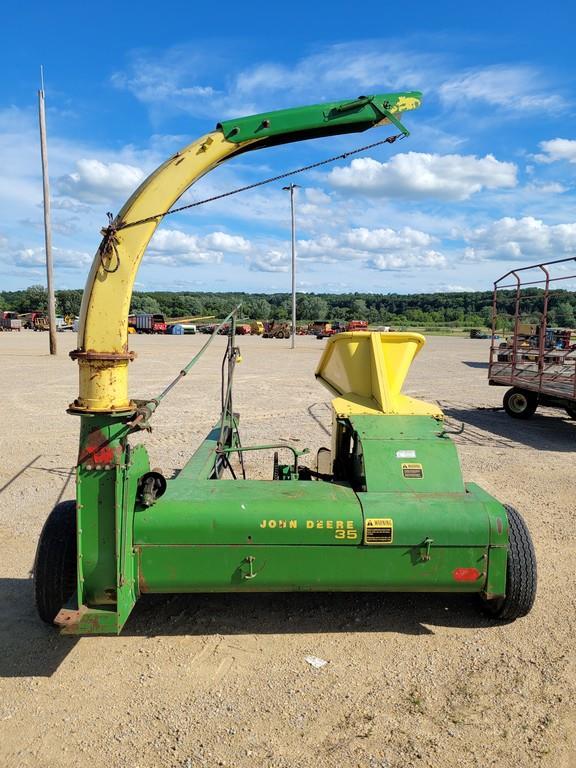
x,y
384,509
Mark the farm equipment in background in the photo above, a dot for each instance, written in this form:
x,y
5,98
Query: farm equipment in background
x,y
320,328
10,321
384,508
147,322
243,329
257,328
357,325
536,361
35,321
276,329
180,326
334,327
65,323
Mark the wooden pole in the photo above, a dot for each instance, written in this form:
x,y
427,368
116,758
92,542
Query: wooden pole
x,y
47,223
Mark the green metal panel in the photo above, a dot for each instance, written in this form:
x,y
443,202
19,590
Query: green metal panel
x,y
101,457
294,568
407,454
451,520
251,511
321,119
202,461
107,478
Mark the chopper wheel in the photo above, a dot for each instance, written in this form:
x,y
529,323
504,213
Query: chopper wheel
x,y
55,562
521,576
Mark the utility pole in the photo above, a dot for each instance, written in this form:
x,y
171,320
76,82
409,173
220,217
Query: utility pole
x,y
291,188
47,224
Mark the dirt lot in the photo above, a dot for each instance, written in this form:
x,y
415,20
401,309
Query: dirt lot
x,y
222,680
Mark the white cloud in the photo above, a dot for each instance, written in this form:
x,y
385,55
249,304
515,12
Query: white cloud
x,y
228,243
557,149
65,258
420,175
178,80
513,88
451,288
67,204
380,249
407,260
520,240
94,181
269,260
173,247
386,239
173,82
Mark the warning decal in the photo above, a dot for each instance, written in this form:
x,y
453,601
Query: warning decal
x,y
378,530
413,471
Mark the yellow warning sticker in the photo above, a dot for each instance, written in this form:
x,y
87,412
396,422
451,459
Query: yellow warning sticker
x,y
413,471
378,530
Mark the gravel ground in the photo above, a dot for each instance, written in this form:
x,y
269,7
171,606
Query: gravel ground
x,y
411,680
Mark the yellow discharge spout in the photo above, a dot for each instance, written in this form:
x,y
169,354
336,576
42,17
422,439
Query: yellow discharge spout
x,y
103,328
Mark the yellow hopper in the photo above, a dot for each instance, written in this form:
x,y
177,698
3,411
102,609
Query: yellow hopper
x,y
366,371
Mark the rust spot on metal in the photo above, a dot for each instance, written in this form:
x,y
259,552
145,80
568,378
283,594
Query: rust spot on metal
x,y
68,619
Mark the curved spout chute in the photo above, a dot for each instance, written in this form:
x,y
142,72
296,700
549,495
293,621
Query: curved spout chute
x,y
102,352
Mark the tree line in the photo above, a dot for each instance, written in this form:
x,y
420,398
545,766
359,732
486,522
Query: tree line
x,y
462,309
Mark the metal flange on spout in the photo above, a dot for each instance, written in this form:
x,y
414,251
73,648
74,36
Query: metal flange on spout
x,y
102,376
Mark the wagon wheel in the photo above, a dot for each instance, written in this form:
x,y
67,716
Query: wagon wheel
x,y
55,563
520,403
521,576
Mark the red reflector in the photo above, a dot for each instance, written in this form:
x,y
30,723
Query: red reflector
x,y
465,574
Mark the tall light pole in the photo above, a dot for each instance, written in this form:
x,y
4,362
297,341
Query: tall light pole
x,y
47,225
291,188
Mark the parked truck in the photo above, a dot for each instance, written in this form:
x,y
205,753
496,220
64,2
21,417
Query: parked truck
x,y
10,321
36,321
147,322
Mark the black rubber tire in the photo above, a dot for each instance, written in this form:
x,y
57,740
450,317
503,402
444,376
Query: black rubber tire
x,y
571,411
55,563
521,575
520,403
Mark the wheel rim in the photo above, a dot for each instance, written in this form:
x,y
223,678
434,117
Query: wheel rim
x,y
517,402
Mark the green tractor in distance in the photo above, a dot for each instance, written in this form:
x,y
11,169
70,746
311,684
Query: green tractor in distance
x,y
384,508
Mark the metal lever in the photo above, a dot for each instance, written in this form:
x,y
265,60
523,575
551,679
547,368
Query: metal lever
x,y
427,544
250,575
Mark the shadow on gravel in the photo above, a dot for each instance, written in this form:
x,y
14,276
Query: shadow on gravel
x,y
303,613
28,648
474,364
493,427
19,473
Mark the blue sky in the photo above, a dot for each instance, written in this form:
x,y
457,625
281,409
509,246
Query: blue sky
x,y
487,179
